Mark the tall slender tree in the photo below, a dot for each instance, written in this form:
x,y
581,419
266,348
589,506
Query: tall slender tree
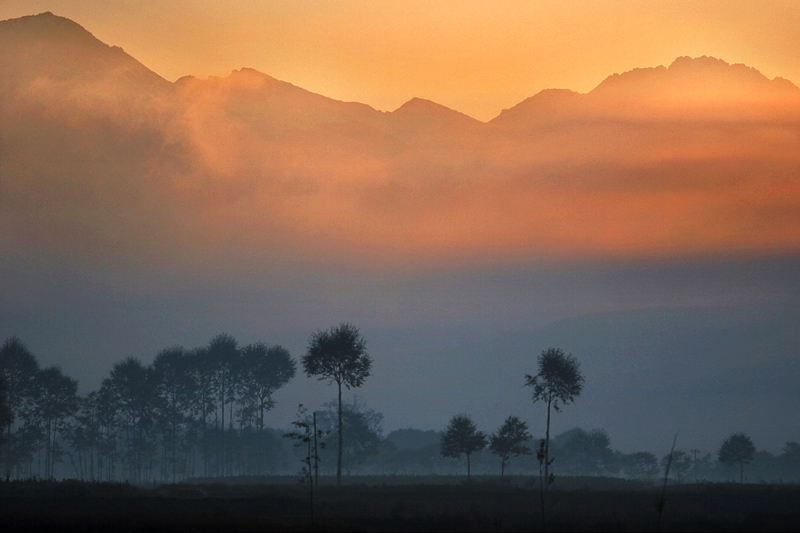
x,y
18,367
265,369
559,381
223,360
129,390
338,355
174,387
56,398
6,415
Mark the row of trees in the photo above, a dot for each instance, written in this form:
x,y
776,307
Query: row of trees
x,y
202,412
557,383
589,453
199,411
190,411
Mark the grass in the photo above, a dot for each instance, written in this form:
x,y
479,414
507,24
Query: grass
x,y
480,506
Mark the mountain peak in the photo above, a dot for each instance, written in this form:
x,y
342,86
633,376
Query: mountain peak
x,y
421,109
46,25
687,78
698,62
65,50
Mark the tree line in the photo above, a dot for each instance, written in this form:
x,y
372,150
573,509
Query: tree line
x,y
191,412
202,412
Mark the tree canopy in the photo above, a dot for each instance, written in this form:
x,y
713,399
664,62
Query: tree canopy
x,y
559,380
339,354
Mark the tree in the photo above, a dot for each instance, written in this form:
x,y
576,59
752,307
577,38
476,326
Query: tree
x,y
588,453
6,415
56,398
18,367
265,370
338,355
737,448
640,465
558,382
462,436
509,441
362,429
174,389
128,393
306,432
224,363
681,463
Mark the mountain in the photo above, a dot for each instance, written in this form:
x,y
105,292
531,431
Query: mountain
x,y
42,52
140,211
702,79
419,113
271,105
703,88
697,157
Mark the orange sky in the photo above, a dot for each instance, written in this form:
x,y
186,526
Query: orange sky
x,y
472,56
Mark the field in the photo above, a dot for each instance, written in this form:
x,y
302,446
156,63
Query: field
x,y
405,504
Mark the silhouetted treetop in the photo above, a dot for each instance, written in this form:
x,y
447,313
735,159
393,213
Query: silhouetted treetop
x,y
559,378
340,355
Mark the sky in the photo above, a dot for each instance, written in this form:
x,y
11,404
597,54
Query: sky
x,y
469,56
666,262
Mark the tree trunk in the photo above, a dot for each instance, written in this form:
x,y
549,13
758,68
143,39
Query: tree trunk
x,y
316,452
341,441
468,467
547,448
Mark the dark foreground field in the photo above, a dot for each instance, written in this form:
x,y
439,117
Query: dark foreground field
x,y
480,506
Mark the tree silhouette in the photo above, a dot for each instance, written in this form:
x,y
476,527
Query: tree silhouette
x,y
509,441
56,398
174,388
588,453
681,463
6,416
128,392
362,430
462,436
265,369
338,355
737,448
640,465
559,381
18,367
306,433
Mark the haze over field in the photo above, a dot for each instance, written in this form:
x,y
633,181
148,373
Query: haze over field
x,y
650,226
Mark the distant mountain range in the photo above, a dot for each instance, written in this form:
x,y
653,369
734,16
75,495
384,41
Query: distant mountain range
x,y
100,151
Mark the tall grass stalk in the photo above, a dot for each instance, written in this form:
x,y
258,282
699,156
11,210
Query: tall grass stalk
x,y
662,501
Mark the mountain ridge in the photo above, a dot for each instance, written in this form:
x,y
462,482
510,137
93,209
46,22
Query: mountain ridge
x,y
110,149
542,106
